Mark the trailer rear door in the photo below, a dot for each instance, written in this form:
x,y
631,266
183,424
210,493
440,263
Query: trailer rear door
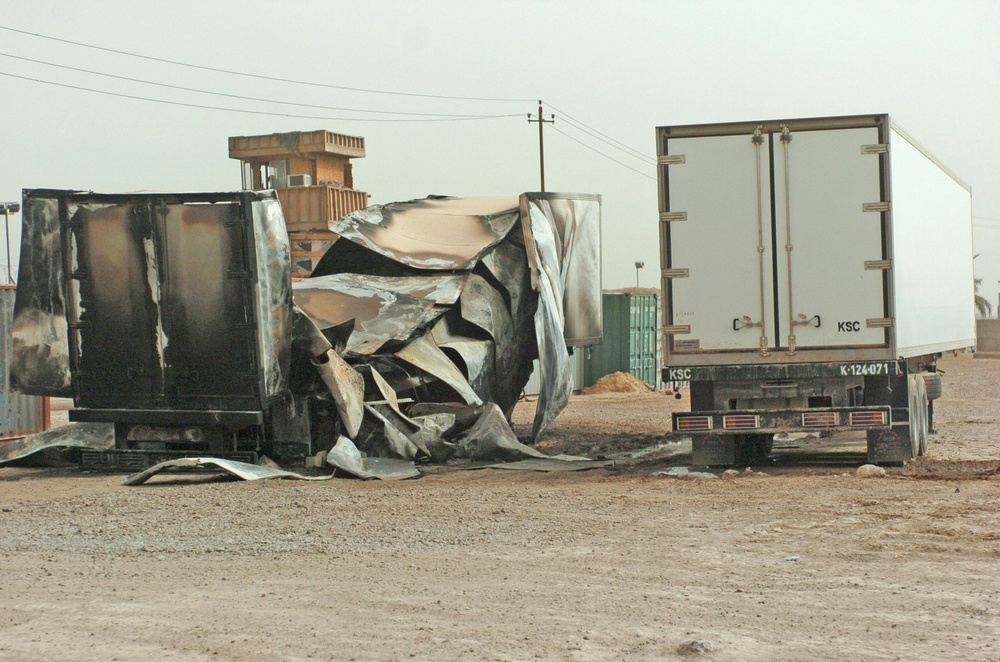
x,y
825,239
773,237
717,246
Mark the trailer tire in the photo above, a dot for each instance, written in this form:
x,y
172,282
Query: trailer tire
x,y
924,404
933,385
918,414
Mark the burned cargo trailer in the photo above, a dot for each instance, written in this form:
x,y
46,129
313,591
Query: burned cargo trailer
x,y
167,315
172,316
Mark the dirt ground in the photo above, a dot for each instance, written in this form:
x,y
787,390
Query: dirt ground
x,y
800,560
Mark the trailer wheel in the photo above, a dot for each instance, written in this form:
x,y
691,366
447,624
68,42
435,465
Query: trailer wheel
x,y
918,415
932,382
923,403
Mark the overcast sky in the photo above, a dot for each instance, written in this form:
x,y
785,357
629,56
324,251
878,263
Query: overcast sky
x,y
610,71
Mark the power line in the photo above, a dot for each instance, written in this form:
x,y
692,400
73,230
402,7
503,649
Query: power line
x,y
624,165
254,112
426,117
229,96
627,151
258,76
611,141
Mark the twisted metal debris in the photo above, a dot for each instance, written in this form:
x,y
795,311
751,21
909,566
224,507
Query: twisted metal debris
x,y
171,316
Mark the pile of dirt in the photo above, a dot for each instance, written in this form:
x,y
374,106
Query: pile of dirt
x,y
618,382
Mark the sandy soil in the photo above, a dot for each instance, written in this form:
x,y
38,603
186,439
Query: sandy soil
x,y
805,562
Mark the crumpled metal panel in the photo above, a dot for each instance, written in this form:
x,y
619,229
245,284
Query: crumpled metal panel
x,y
40,333
382,308
430,434
346,386
553,356
492,439
508,265
274,293
477,356
346,457
424,354
242,470
484,306
90,436
389,395
575,225
434,233
392,440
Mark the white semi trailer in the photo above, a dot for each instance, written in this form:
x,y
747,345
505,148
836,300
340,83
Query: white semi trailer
x,y
813,271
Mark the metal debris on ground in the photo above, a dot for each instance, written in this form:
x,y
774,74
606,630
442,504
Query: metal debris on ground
x,y
90,436
242,470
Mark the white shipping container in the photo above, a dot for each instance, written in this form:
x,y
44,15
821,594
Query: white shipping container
x,y
811,240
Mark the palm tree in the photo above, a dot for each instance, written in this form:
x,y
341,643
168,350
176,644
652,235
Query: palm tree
x,y
983,307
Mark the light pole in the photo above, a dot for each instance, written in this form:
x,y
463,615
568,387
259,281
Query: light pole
x,y
638,265
8,209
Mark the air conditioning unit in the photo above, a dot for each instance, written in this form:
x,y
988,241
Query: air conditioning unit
x,y
295,181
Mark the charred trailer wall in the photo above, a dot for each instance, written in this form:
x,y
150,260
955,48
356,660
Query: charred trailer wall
x,y
169,310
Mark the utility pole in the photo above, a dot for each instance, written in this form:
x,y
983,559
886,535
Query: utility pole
x,y
541,140
8,209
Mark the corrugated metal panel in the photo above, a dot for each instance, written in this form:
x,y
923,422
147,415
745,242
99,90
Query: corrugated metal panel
x,y
576,362
630,338
20,415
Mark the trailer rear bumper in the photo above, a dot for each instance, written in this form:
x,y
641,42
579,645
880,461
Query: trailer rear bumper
x,y
751,421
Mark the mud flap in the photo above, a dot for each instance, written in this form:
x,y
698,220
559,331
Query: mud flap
x,y
713,450
889,446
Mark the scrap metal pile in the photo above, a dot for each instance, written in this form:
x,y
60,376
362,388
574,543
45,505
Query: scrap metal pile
x,y
423,319
171,316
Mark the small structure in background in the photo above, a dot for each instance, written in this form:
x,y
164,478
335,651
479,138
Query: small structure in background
x,y
312,174
987,339
20,415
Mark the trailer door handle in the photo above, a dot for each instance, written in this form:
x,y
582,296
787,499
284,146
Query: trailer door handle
x,y
744,322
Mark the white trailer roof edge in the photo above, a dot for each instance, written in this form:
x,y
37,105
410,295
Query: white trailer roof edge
x,y
894,125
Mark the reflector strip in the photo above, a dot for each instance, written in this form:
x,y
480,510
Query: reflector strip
x,y
741,422
691,423
860,418
820,419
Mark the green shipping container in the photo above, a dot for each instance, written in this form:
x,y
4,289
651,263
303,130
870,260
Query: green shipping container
x,y
629,345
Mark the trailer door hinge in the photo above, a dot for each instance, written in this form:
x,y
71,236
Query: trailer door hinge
x,y
875,206
880,148
671,159
880,323
878,265
677,329
675,273
670,216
